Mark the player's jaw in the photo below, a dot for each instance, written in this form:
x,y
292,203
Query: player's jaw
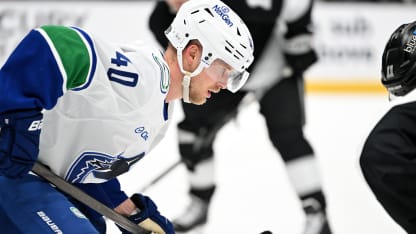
x,y
203,85
198,94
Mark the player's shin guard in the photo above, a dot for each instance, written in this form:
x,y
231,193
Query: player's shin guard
x,y
202,188
304,175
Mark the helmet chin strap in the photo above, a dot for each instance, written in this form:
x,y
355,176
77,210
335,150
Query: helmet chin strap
x,y
186,81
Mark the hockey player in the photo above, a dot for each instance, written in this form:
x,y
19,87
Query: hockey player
x,y
282,34
388,156
90,110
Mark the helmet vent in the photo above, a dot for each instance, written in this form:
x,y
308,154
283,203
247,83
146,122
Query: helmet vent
x,y
239,53
193,12
238,32
209,12
229,44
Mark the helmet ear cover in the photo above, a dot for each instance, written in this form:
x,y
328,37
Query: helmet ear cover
x,y
399,61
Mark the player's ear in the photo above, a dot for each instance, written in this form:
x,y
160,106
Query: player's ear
x,y
192,56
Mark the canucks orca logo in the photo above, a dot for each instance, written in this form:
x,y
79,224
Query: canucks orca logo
x,y
99,167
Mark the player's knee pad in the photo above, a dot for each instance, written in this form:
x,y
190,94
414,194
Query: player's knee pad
x,y
290,142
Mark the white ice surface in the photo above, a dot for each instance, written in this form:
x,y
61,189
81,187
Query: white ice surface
x,y
253,190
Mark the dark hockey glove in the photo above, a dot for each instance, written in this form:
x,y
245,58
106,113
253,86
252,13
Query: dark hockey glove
x,y
19,141
149,217
299,63
299,54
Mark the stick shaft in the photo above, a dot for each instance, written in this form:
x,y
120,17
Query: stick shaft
x,y
161,176
86,199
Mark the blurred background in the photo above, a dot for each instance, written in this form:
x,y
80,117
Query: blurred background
x,y
344,99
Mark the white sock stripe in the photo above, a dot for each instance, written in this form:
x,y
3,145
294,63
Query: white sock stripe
x,y
186,137
204,174
304,175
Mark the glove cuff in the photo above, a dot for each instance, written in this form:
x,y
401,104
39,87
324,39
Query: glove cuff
x,y
20,114
299,44
26,120
137,199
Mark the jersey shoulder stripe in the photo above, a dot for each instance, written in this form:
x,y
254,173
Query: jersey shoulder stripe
x,y
76,54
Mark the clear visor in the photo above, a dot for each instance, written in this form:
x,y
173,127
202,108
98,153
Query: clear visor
x,y
236,80
224,74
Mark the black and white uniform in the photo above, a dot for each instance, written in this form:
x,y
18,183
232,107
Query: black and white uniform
x,y
388,161
275,27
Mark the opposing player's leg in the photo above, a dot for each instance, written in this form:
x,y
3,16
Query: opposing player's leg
x,y
32,205
283,109
197,133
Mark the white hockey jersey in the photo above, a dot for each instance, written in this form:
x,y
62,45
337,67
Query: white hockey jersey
x,y
104,104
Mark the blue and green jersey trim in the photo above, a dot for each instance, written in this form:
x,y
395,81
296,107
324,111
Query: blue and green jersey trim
x,y
75,53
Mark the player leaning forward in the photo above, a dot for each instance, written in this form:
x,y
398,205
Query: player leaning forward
x,y
389,154
103,108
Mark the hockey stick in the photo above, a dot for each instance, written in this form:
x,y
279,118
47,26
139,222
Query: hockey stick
x,y
161,176
91,202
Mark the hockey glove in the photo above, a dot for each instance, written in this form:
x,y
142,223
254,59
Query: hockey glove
x,y
299,54
19,141
149,217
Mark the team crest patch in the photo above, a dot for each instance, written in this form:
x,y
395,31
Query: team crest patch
x,y
94,167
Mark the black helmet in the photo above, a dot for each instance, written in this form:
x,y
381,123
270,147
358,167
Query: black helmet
x,y
398,67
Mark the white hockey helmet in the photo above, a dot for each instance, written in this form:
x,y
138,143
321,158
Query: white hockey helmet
x,y
222,34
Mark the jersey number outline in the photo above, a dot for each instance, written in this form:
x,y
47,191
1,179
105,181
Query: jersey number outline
x,y
120,76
